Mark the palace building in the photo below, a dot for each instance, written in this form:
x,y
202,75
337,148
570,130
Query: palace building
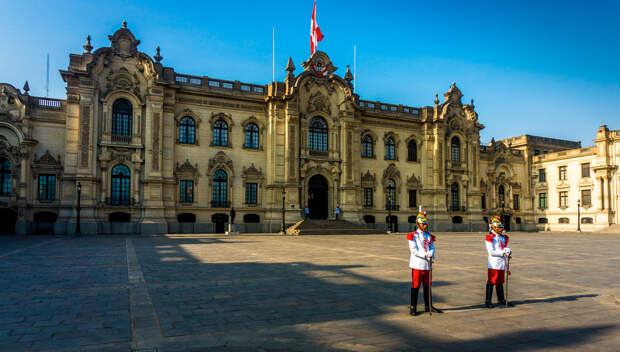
x,y
151,150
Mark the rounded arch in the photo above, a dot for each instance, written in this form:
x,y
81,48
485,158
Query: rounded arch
x,y
19,135
461,139
187,130
331,186
413,148
178,118
108,108
112,96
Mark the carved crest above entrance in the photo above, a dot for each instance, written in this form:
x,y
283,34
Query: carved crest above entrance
x,y
320,65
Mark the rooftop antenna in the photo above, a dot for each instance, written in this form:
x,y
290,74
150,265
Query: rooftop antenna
x,y
47,80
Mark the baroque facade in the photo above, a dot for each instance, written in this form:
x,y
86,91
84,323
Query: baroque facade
x,y
156,151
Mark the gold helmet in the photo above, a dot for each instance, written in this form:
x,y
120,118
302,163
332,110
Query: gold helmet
x,y
421,218
496,223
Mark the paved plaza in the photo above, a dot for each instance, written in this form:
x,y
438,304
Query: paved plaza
x,y
306,293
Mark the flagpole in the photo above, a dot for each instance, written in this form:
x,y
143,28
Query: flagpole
x,y
354,65
273,55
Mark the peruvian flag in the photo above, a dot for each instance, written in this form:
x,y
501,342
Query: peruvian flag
x,y
315,32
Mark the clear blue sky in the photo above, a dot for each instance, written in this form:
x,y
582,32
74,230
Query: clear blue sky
x,y
546,68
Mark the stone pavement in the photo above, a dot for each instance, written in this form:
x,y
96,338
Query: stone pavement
x,y
307,293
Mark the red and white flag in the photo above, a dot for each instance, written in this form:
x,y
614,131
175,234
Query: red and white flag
x,y
315,32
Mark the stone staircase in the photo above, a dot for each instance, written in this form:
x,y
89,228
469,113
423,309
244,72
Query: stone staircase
x,y
329,227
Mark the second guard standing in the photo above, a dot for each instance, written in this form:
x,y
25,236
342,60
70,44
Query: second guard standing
x,y
422,247
497,248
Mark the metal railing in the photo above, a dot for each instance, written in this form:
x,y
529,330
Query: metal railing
x,y
206,82
121,139
120,201
379,106
49,103
220,204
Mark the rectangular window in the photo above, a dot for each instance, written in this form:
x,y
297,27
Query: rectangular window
x,y
542,200
515,201
586,197
187,192
251,193
413,199
368,197
564,199
47,187
562,173
542,175
585,170
483,200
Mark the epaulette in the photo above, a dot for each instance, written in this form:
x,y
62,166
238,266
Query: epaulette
x,y
410,236
489,238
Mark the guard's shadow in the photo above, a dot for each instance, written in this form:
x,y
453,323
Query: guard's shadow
x,y
526,301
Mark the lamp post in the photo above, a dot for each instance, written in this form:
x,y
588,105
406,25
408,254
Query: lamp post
x,y
79,195
579,215
389,208
283,210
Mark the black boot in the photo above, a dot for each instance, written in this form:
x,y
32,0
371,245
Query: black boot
x,y
427,296
414,301
487,301
500,296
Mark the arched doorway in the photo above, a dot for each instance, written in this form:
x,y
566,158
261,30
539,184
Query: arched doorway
x,y
9,218
317,197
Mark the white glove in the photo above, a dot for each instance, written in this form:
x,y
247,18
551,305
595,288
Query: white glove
x,y
429,255
507,251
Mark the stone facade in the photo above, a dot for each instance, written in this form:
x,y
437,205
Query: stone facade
x,y
156,151
587,178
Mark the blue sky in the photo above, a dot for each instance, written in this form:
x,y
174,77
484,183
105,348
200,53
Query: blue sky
x,y
545,68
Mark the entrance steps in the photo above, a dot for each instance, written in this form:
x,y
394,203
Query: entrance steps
x,y
329,227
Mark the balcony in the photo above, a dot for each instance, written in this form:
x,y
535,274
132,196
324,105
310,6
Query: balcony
x,y
393,207
220,204
120,201
121,139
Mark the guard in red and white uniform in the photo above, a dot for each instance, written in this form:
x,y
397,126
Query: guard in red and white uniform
x,y
421,245
497,247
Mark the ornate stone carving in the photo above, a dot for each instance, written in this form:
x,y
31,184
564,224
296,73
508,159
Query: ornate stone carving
x,y
319,64
155,132
123,43
47,160
186,169
84,135
318,102
368,179
391,172
221,160
413,182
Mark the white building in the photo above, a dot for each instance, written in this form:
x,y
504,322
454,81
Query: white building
x,y
578,185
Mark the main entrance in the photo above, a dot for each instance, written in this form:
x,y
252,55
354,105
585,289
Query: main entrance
x,y
317,197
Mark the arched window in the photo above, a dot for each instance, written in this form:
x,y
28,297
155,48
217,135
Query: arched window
x,y
220,189
121,117
187,131
454,191
391,194
251,136
501,196
456,149
367,147
389,149
318,134
220,133
5,177
412,151
121,178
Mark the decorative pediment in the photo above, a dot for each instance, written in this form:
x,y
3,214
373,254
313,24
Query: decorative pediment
x,y
413,182
368,179
46,160
123,42
453,95
187,168
221,160
319,64
252,173
391,172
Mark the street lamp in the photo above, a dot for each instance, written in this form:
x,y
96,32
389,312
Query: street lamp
x,y
283,210
389,208
79,195
579,215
